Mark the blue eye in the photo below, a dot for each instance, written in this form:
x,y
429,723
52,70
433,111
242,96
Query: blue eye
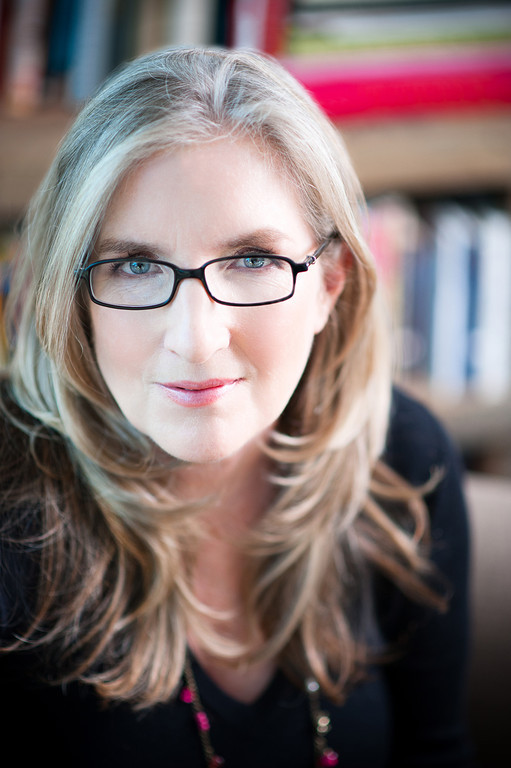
x,y
139,267
255,262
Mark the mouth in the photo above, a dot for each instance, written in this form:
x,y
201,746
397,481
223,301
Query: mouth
x,y
196,394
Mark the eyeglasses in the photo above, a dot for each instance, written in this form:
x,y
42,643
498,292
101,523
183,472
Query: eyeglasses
x,y
248,280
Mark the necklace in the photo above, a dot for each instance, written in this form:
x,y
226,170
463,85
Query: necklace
x,y
325,757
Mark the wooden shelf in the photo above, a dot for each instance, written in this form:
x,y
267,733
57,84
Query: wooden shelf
x,y
27,146
434,154
450,152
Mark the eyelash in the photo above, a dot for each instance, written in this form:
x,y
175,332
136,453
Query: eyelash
x,y
140,256
256,252
144,256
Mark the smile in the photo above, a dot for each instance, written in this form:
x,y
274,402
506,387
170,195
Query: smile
x,y
197,394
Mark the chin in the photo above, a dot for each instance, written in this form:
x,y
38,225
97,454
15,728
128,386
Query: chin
x,y
200,452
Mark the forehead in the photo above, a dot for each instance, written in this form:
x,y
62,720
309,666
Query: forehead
x,y
208,186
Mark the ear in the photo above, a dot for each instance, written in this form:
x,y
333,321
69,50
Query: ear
x,y
334,280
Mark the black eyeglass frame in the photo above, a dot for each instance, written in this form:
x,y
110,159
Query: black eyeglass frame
x,y
199,274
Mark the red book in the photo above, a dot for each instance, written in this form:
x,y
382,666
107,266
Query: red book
x,y
379,85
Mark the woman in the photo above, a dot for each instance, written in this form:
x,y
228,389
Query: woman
x,y
227,541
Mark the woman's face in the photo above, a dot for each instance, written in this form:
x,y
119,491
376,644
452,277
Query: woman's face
x,y
201,379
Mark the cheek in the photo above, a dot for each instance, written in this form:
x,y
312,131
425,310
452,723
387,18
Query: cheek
x,y
120,344
279,343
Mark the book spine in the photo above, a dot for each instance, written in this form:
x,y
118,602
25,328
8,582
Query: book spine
x,y
259,24
26,56
379,87
191,22
446,273
92,59
492,333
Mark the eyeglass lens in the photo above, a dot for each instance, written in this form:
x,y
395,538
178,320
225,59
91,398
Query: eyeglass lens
x,y
248,279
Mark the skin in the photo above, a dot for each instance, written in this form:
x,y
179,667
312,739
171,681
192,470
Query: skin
x,y
205,381
186,207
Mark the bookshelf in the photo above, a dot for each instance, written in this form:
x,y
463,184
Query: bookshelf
x,y
456,143
26,145
433,154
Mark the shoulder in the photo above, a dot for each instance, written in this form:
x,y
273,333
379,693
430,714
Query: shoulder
x,y
418,446
417,443
18,517
15,425
32,475
16,465
31,453
428,672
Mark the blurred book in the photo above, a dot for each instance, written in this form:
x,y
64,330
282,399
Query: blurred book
x,y
446,271
385,59
259,24
8,244
62,28
336,27
23,32
403,83
191,22
62,50
394,237
455,232
491,342
92,57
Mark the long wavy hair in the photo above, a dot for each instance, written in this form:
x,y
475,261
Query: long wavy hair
x,y
116,546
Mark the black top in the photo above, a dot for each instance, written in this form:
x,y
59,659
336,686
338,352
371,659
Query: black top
x,y
407,713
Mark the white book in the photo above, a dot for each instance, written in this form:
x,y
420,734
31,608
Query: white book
x,y
393,236
454,240
492,338
249,23
191,22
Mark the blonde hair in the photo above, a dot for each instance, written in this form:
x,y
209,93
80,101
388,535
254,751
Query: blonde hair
x,y
106,511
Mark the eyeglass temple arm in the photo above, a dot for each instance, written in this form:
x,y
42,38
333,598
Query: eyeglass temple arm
x,y
310,260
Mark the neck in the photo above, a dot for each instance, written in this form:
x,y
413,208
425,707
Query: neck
x,y
239,494
235,490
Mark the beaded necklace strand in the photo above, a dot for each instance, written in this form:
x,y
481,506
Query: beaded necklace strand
x,y
325,757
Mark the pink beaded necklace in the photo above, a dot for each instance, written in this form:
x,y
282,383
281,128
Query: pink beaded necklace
x,y
325,757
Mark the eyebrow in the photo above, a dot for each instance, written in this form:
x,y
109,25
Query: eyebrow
x,y
261,238
111,245
264,238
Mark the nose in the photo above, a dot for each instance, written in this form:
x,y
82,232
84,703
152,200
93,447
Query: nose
x,y
196,326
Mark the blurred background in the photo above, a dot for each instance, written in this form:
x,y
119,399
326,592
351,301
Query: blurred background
x,y
421,92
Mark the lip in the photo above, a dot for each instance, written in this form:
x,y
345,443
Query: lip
x,y
197,394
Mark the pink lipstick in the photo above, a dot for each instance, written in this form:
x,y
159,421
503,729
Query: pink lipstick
x,y
196,394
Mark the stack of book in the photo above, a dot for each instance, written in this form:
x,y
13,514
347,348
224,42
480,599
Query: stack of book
x,y
446,268
337,26
378,59
357,58
62,51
